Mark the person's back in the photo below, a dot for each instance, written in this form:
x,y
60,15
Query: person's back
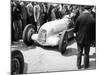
x,y
85,28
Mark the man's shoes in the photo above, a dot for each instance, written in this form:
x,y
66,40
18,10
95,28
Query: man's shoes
x,y
86,66
79,67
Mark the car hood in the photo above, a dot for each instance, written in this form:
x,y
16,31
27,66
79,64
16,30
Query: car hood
x,y
56,26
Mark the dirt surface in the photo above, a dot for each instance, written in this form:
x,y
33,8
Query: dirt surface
x,y
47,59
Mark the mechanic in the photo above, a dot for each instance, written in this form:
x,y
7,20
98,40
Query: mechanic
x,y
85,31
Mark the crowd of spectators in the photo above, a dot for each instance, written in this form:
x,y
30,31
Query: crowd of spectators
x,y
83,19
38,13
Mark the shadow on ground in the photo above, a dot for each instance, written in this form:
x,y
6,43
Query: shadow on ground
x,y
70,52
22,46
25,68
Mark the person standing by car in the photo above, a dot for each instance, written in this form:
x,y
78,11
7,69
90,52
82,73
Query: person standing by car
x,y
23,15
37,14
30,15
50,7
84,29
43,14
17,22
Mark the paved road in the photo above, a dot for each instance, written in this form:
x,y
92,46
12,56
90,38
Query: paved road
x,y
47,59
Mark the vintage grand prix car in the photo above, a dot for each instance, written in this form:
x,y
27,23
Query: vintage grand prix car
x,y
53,33
17,62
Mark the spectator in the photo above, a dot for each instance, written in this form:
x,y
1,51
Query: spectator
x,y
30,15
12,20
53,15
94,12
43,14
37,14
58,12
84,28
49,12
17,24
23,15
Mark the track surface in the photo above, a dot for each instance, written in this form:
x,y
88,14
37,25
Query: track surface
x,y
47,59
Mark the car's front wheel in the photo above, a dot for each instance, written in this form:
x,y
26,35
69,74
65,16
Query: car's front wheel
x,y
27,33
17,63
63,42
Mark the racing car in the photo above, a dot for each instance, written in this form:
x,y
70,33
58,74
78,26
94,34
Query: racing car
x,y
17,62
52,33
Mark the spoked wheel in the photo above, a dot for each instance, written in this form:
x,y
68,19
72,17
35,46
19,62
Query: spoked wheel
x,y
63,42
27,33
17,63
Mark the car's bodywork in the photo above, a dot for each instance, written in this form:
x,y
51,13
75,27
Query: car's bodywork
x,y
53,33
50,33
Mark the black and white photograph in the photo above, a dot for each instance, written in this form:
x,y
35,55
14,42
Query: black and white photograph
x,y
52,37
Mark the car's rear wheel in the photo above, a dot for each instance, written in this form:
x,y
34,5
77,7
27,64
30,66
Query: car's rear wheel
x,y
27,33
63,42
17,63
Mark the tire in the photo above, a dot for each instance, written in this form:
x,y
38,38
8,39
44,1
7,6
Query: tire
x,y
63,42
17,62
27,33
